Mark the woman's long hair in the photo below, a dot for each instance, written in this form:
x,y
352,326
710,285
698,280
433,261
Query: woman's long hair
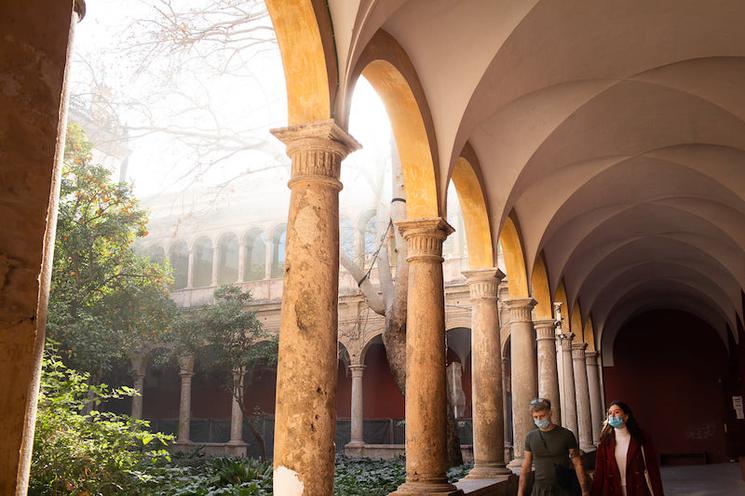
x,y
631,423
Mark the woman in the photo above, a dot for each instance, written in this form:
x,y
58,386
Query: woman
x,y
624,455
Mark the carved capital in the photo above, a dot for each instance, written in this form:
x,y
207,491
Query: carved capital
x,y
566,340
357,370
520,309
578,350
316,150
186,365
592,358
424,238
503,292
483,283
544,330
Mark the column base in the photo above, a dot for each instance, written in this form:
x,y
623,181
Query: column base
x,y
236,448
427,489
588,448
488,472
354,449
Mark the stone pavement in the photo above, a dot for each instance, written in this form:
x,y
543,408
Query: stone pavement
x,y
722,479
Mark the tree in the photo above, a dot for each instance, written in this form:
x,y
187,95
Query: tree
x,y
104,298
389,297
231,338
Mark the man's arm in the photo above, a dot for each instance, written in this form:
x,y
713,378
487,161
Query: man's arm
x,y
584,482
524,470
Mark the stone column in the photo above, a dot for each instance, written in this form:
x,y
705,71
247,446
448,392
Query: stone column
x,y
305,412
596,403
584,419
569,402
215,263
242,259
237,446
139,367
507,412
548,378
190,269
486,366
523,362
357,416
186,372
37,38
268,257
426,401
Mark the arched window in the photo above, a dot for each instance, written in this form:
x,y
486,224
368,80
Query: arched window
x,y
178,254
227,271
278,246
255,261
202,262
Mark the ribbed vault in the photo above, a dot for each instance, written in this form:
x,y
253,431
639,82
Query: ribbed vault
x,y
609,140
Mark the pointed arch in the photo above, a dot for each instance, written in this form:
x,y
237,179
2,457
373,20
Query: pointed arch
x,y
387,67
304,34
589,332
540,289
470,192
576,326
561,297
514,259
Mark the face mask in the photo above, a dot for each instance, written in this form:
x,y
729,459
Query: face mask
x,y
542,423
615,422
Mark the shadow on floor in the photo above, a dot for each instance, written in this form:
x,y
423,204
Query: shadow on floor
x,y
723,479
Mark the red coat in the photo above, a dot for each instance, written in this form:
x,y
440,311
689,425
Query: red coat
x,y
607,480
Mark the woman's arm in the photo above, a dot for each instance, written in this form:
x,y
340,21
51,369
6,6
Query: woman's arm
x,y
598,480
653,467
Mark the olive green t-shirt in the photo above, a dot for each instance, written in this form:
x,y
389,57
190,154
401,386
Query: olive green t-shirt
x,y
550,448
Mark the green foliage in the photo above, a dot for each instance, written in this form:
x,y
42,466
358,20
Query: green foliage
x,y
104,297
98,453
199,476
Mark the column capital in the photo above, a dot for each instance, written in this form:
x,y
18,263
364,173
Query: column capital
x,y
424,238
483,283
520,309
591,357
545,329
357,370
186,364
566,339
316,149
578,350
503,291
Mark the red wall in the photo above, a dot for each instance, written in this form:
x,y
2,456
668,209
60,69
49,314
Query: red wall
x,y
382,399
670,368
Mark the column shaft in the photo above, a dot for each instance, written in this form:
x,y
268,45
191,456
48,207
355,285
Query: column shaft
x,y
215,264
190,269
242,260
305,412
569,402
186,372
548,378
268,258
236,413
486,366
138,361
524,381
357,415
596,404
426,401
584,421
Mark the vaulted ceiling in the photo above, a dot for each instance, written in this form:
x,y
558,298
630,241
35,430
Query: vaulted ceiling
x,y
614,132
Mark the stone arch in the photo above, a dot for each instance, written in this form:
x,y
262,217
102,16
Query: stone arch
x,y
155,253
514,258
387,67
576,321
304,33
541,290
227,258
370,341
589,333
279,240
469,188
560,296
178,255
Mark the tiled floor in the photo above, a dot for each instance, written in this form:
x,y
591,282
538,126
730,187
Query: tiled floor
x,y
704,480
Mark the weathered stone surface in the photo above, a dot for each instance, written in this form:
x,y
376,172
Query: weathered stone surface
x,y
548,378
305,413
34,37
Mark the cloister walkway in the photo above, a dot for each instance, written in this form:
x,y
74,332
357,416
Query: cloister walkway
x,y
723,479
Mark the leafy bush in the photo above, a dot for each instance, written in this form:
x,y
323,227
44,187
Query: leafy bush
x,y
94,453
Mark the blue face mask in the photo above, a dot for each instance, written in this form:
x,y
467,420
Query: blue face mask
x,y
615,422
542,423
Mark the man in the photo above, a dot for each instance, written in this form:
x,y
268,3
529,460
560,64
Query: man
x,y
551,448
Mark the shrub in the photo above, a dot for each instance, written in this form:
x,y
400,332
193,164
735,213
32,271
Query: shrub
x,y
93,453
